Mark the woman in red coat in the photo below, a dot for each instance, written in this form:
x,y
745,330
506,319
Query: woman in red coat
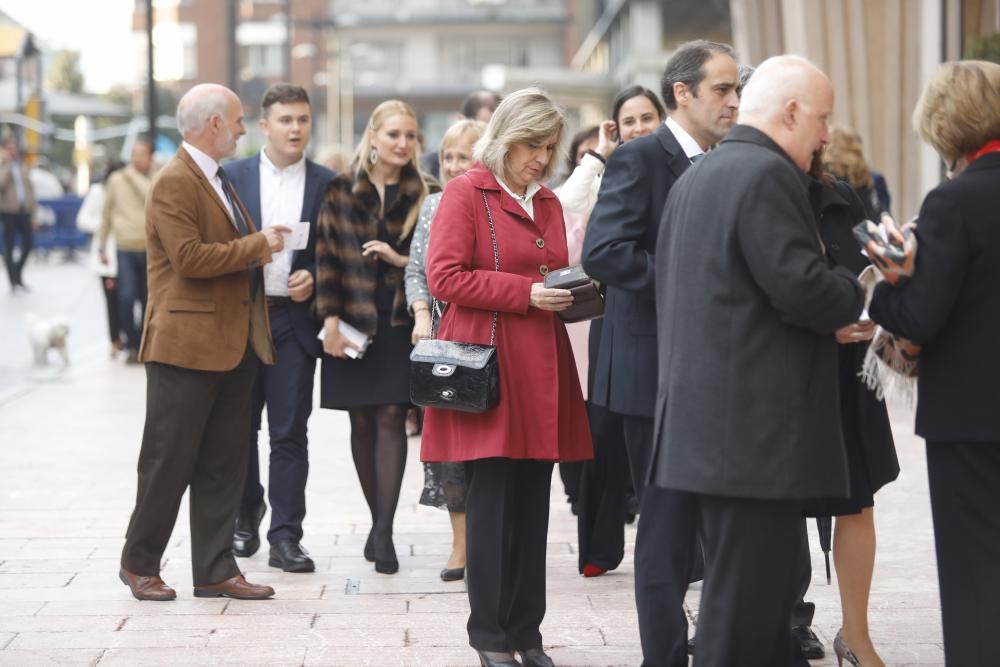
x,y
541,417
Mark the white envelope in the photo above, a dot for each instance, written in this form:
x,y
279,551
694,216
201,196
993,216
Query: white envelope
x,y
298,238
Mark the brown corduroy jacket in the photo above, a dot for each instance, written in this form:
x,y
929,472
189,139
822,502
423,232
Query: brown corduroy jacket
x,y
346,281
199,314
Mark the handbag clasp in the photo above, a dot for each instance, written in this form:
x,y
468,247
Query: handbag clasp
x,y
443,370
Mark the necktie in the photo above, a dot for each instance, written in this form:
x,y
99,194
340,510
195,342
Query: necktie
x,y
227,187
241,224
695,158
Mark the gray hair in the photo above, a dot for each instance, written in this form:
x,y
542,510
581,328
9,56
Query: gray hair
x,y
524,116
198,105
774,82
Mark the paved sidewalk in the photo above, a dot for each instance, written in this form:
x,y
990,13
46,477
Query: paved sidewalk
x,y
68,446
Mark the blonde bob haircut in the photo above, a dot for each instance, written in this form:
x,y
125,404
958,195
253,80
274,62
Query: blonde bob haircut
x,y
525,116
454,134
382,113
845,158
957,112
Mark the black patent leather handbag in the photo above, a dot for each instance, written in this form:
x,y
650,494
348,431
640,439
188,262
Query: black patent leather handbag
x,y
458,376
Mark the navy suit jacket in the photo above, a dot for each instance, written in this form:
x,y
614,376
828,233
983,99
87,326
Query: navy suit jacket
x,y
618,250
245,176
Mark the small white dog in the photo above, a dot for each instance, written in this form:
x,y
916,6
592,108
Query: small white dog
x,y
45,335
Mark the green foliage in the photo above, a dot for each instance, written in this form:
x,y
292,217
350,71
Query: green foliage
x,y
984,47
64,72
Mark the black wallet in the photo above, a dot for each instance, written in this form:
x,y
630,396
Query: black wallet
x,y
588,302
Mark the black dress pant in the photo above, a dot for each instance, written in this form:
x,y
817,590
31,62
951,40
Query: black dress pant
x,y
639,445
195,436
667,558
16,225
600,520
287,390
752,548
507,522
964,482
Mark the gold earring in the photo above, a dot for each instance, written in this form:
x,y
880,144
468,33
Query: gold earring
x,y
373,156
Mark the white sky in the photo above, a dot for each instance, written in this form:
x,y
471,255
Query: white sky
x,y
101,30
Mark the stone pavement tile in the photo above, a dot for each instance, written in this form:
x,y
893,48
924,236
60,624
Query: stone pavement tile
x,y
19,607
595,656
350,605
413,656
278,622
148,639
367,630
252,656
10,547
72,547
38,580
59,623
132,607
53,657
68,565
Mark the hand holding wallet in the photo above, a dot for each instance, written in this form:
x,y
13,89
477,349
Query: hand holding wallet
x,y
894,253
588,302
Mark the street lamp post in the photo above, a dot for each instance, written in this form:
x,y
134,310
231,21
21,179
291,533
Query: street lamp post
x,y
151,101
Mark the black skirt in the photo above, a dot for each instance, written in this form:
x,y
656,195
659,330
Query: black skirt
x,y
380,377
871,452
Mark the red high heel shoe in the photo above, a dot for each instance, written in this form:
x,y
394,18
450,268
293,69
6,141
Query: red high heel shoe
x,y
593,571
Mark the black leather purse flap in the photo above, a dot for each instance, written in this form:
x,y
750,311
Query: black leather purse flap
x,y
445,353
568,278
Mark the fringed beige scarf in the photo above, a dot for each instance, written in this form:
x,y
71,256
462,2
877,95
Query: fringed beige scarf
x,y
891,362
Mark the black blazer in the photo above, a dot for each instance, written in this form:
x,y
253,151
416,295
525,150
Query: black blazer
x,y
863,416
245,176
748,403
618,250
952,307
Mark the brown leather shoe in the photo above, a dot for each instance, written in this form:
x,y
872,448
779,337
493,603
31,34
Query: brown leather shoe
x,y
237,588
147,588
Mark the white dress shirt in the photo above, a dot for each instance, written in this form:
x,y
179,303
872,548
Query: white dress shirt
x,y
687,142
281,195
527,201
210,168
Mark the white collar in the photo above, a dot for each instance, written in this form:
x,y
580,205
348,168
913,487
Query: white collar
x,y
529,192
687,142
207,164
294,168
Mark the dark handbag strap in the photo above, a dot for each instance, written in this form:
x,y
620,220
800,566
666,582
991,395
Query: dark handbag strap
x,y
496,262
496,266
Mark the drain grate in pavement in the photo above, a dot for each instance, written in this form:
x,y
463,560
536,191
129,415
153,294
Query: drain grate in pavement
x,y
353,586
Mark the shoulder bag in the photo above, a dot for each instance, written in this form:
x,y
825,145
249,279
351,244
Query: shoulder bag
x,y
458,376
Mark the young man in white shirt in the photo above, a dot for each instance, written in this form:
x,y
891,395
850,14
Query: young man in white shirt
x,y
280,186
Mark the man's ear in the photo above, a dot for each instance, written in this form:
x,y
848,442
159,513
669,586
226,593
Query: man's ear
x,y
262,123
790,114
681,93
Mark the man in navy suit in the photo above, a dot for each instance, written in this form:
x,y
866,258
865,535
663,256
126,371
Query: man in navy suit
x,y
700,90
281,186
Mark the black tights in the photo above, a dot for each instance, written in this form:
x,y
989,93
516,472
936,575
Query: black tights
x,y
378,444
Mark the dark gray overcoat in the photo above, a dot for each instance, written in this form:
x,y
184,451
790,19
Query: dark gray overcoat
x,y
747,402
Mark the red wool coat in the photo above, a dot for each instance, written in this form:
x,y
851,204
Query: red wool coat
x,y
541,414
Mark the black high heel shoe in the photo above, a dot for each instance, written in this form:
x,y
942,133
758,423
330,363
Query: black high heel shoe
x,y
843,651
385,559
535,657
370,548
486,661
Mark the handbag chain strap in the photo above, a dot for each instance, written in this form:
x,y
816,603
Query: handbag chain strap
x,y
496,262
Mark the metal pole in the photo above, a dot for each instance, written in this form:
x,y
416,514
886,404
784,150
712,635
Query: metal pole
x,y
151,101
233,55
288,40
